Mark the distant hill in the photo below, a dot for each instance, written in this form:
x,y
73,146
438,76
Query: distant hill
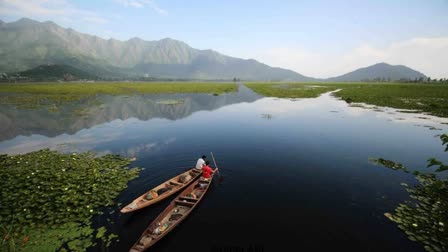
x,y
55,72
26,43
380,71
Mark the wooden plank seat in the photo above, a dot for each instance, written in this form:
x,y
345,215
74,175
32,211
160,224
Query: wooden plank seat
x,y
188,199
184,203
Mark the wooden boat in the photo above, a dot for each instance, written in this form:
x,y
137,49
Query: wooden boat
x,y
169,188
175,213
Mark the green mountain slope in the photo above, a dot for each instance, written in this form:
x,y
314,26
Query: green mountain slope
x,y
26,43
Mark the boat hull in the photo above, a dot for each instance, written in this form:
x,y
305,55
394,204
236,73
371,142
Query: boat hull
x,y
172,185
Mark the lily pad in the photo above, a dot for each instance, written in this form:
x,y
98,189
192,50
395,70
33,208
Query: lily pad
x,y
54,189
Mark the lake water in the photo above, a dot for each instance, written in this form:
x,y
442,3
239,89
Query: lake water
x,y
295,172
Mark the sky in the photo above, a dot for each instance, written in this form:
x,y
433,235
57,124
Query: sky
x,y
315,38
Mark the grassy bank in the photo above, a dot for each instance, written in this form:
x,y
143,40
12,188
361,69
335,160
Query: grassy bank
x,y
430,98
48,199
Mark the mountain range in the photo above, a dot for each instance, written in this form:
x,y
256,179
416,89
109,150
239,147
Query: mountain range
x,y
26,44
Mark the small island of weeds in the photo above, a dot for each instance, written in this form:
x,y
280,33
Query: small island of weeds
x,y
48,199
289,90
425,218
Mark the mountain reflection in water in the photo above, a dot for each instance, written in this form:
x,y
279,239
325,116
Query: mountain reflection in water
x,y
106,108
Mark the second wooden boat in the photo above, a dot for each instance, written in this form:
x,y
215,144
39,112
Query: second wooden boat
x,y
163,190
175,213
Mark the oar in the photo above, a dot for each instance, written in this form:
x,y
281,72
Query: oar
x,y
215,164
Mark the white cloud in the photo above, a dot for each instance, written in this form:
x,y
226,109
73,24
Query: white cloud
x,y
48,9
142,4
427,55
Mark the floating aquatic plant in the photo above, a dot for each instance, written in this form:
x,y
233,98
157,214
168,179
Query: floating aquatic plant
x,y
389,164
409,111
444,139
49,198
356,105
266,116
425,218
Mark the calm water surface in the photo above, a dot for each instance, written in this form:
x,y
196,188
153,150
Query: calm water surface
x,y
295,172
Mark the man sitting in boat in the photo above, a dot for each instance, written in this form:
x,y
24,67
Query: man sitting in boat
x,y
207,171
200,163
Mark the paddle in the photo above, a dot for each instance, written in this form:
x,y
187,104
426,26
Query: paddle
x,y
219,174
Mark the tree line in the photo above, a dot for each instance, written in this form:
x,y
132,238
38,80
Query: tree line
x,y
409,80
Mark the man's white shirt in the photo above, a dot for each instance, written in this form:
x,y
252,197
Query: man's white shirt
x,y
200,163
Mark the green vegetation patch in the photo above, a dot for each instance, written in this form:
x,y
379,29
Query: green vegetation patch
x,y
117,88
33,95
31,101
48,198
413,97
289,90
429,98
424,219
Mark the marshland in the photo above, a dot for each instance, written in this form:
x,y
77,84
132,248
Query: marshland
x,y
71,163
327,121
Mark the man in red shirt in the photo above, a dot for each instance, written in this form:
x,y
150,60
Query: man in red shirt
x,y
207,171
